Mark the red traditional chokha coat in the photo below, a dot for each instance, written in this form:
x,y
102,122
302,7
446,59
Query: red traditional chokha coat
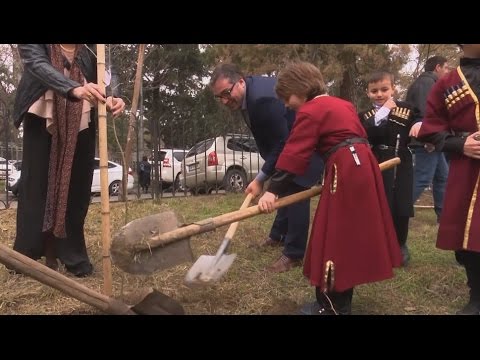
x,y
353,239
452,113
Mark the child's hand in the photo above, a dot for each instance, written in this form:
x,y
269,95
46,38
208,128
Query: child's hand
x,y
266,202
390,104
415,129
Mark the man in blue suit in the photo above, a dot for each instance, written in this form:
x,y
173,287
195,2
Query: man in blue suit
x,y
270,123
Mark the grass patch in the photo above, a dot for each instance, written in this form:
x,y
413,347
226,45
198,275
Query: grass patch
x,y
432,284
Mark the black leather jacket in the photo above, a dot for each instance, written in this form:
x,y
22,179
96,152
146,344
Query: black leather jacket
x,y
39,76
418,92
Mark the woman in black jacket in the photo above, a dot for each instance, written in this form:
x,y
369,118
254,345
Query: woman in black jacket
x,y
56,101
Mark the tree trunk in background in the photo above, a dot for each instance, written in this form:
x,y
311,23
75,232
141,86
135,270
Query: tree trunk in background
x,y
132,120
347,85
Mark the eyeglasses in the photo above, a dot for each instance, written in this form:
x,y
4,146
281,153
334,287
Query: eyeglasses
x,y
227,93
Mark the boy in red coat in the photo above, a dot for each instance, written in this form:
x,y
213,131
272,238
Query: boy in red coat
x,y
352,240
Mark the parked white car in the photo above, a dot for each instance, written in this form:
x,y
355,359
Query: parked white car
x,y
171,167
12,183
4,166
114,178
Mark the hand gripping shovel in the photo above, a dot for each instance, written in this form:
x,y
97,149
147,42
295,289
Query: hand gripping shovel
x,y
156,242
209,269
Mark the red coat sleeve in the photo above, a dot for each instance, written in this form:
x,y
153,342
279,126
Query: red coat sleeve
x,y
436,113
300,145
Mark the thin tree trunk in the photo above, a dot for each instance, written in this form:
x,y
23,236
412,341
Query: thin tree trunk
x,y
132,120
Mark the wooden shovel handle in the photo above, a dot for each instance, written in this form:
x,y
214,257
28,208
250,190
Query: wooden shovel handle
x,y
233,227
389,163
235,216
34,269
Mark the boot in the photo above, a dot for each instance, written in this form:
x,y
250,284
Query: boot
x,y
405,255
470,261
331,303
472,308
342,301
50,255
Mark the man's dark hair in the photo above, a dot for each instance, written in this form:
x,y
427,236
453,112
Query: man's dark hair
x,y
433,61
227,71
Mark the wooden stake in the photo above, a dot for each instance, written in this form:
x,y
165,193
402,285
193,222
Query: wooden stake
x,y
105,197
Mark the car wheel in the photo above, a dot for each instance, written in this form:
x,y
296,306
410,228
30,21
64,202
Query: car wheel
x,y
114,188
14,189
235,180
176,184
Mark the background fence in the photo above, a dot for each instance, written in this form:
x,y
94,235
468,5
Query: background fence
x,y
210,160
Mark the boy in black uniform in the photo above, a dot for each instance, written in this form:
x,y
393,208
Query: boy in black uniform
x,y
388,123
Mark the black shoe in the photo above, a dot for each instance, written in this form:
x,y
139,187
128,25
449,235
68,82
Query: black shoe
x,y
315,308
52,264
472,308
309,308
82,270
405,255
13,271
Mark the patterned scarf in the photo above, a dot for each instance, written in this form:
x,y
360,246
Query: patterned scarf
x,y
66,122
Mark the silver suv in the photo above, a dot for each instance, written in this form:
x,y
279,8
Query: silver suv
x,y
226,162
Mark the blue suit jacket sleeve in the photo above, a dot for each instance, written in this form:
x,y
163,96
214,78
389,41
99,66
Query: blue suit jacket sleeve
x,y
272,123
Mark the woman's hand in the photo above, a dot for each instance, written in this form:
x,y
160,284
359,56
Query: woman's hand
x,y
265,204
90,92
115,105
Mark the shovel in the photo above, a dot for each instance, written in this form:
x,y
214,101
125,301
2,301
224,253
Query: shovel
x,y
146,302
157,242
210,268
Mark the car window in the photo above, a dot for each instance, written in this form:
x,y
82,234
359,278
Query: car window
x,y
242,144
235,145
200,147
96,164
252,145
179,155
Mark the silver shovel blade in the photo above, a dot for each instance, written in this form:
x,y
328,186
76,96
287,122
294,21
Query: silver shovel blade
x,y
205,271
